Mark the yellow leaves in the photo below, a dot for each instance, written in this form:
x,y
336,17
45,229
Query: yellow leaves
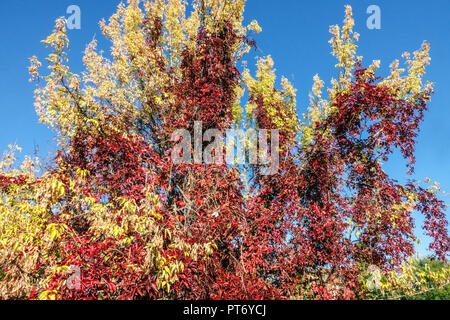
x,y
33,68
209,248
237,108
62,269
8,160
265,72
398,210
175,30
215,12
181,266
416,67
279,104
55,230
119,84
370,71
117,231
410,87
254,26
169,274
434,188
415,277
134,220
156,215
49,190
129,206
49,295
58,39
22,218
164,284
58,102
58,188
54,233
160,262
168,287
133,17
317,111
349,23
131,266
318,86
82,173
169,268
344,48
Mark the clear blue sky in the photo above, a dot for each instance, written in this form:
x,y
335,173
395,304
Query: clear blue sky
x,y
295,33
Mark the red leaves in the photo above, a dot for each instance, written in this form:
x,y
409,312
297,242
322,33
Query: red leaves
x,y
206,92
436,223
121,165
369,110
98,280
17,180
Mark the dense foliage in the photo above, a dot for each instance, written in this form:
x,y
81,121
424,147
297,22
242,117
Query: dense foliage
x,y
114,205
418,279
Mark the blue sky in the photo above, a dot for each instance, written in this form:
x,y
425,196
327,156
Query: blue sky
x,y
295,34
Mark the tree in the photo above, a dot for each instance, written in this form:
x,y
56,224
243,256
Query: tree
x,y
136,225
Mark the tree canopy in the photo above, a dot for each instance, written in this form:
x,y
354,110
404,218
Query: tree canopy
x,y
114,206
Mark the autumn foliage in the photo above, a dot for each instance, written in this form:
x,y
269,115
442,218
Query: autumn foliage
x,y
114,205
